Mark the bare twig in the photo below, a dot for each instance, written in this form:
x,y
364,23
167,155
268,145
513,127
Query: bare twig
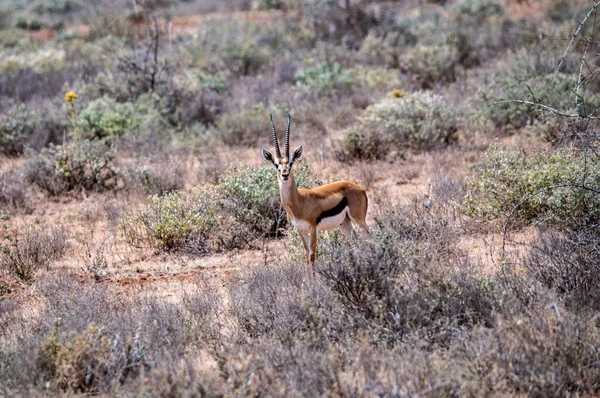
x,y
578,98
562,59
549,109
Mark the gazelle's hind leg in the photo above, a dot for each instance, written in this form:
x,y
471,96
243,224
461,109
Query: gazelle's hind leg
x,y
362,224
346,227
358,214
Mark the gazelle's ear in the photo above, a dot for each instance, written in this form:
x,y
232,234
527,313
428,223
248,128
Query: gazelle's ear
x,y
297,154
267,155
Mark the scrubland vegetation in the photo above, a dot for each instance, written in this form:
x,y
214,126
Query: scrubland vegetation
x,y
145,250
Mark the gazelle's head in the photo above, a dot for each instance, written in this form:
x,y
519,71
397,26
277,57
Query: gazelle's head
x,y
283,164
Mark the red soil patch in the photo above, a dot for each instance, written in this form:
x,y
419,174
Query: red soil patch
x,y
534,9
43,35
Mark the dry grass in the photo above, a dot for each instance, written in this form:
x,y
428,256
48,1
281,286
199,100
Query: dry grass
x,y
34,248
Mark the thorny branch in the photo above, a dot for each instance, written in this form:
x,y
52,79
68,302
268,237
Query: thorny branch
x,y
550,109
581,24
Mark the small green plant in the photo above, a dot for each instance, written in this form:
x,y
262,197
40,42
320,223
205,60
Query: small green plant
x,y
178,221
420,120
545,185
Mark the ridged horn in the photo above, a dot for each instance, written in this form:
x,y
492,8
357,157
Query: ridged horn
x,y
287,137
275,138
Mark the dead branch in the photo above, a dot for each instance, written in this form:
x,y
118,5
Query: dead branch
x,y
562,59
549,109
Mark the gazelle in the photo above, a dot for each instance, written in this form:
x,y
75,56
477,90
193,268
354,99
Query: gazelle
x,y
329,206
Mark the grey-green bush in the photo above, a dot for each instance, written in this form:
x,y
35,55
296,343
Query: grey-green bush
x,y
505,177
420,120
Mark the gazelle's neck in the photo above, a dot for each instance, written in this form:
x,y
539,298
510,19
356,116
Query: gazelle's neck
x,y
289,193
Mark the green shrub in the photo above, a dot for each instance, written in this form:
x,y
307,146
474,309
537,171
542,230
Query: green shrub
x,y
420,120
252,196
74,165
325,79
16,127
185,220
105,118
505,177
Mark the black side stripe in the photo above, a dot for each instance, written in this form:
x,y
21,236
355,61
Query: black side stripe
x,y
334,211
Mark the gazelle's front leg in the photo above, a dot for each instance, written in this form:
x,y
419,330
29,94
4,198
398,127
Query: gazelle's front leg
x,y
313,247
305,242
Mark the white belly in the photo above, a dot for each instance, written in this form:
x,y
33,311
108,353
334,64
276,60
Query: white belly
x,y
301,225
333,222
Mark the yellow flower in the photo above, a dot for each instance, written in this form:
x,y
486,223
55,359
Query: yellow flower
x,y
70,96
398,94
